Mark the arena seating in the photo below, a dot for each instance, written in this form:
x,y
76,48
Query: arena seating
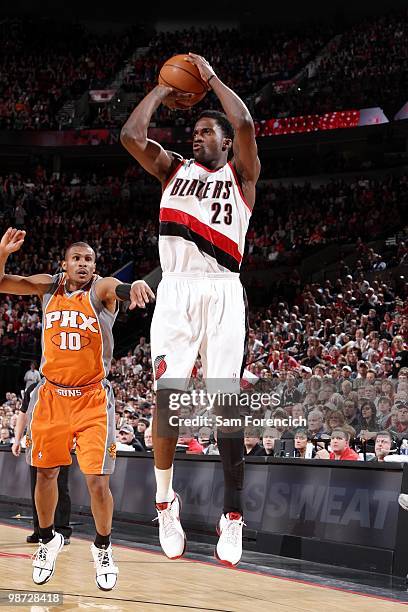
x,y
322,326
368,68
45,63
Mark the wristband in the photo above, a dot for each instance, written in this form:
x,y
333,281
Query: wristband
x,y
208,80
123,291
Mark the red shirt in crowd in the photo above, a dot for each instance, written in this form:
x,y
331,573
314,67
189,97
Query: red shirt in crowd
x,y
347,455
194,447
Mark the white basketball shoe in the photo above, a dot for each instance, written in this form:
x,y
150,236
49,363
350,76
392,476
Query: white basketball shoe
x,y
106,570
171,535
229,548
403,501
45,557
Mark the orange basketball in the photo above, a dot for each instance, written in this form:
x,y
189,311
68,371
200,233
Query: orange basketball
x,y
183,76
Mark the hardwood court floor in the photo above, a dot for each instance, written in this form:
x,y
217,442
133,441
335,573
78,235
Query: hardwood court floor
x,y
150,582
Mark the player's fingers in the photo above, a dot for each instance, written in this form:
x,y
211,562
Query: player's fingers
x,y
150,293
16,239
145,295
139,298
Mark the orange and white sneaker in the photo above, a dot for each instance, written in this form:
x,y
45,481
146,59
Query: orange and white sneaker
x,y
229,548
171,534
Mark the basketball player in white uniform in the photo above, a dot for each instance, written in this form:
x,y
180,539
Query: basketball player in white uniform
x,y
204,214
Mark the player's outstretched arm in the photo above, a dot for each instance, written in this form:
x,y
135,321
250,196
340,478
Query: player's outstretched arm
x,y
245,149
150,154
111,289
11,241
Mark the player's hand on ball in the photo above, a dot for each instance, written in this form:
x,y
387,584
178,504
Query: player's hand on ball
x,y
140,294
171,97
16,449
11,241
204,68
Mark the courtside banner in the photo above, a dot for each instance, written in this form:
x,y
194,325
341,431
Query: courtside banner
x,y
343,512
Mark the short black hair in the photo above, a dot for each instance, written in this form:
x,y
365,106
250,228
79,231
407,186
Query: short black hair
x,y
221,119
83,245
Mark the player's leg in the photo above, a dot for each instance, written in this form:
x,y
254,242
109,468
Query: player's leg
x,y
51,542
48,444
102,511
101,506
34,538
46,499
227,327
63,509
175,337
93,420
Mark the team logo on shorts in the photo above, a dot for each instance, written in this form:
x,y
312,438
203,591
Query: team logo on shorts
x,y
28,441
112,450
160,366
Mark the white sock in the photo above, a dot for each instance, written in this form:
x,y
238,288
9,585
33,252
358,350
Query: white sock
x,y
164,483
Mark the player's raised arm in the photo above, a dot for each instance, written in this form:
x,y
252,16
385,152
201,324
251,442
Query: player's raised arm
x,y
150,154
37,284
245,149
111,289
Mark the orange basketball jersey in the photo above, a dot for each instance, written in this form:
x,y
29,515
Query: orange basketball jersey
x,y
77,339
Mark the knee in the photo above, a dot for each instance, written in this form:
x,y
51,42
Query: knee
x,y
98,487
47,474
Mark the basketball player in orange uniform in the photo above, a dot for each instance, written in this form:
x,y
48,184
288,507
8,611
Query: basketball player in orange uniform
x,y
205,210
74,399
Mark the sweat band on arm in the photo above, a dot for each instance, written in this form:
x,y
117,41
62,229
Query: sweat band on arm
x,y
208,80
123,291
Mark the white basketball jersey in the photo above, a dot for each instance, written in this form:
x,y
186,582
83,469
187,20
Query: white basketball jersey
x,y
203,220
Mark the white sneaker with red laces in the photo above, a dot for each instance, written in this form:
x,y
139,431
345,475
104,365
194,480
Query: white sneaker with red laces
x,y
171,535
229,548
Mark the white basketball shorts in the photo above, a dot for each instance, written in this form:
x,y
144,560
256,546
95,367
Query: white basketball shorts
x,y
195,316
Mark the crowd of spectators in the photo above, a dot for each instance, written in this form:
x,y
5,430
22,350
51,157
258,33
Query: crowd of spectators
x,y
334,360
245,58
368,68
44,63
104,209
289,220
110,212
